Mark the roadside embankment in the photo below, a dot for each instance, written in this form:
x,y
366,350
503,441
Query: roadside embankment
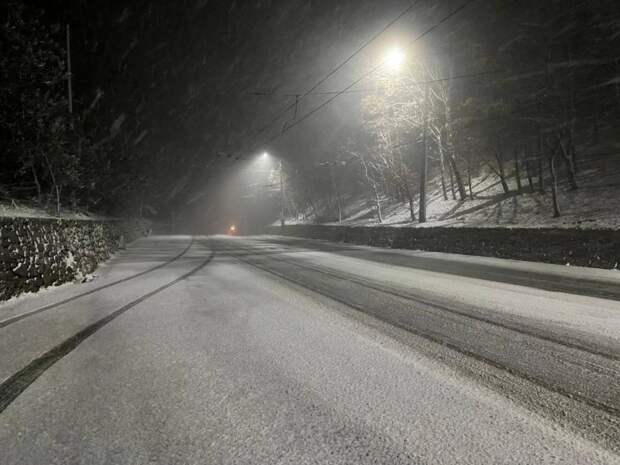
x,y
599,248
40,252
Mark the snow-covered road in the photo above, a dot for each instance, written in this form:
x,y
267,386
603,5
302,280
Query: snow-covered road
x,y
267,350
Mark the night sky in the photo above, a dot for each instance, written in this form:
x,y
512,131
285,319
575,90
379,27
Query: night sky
x,y
186,72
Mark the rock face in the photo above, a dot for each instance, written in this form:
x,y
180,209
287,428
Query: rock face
x,y
36,253
578,247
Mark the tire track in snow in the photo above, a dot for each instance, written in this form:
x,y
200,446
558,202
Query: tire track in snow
x,y
16,384
437,336
14,319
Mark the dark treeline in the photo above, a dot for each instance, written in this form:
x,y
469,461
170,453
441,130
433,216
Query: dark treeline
x,y
146,80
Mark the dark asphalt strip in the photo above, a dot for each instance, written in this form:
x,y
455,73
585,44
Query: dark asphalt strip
x,y
21,316
567,284
609,409
16,384
571,343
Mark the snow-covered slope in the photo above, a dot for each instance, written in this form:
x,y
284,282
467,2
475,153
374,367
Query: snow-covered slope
x,y
595,204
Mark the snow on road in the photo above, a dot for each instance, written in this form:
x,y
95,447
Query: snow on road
x,y
235,365
588,316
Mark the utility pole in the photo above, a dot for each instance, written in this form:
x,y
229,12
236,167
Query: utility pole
x,y
423,170
281,197
332,176
69,75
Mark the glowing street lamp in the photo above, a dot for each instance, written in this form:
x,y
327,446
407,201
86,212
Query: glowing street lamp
x,y
394,59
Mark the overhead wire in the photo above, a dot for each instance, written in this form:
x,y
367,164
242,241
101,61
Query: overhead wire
x,y
404,13
367,74
348,88
432,81
299,97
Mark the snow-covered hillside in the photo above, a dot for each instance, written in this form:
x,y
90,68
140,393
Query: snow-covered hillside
x,y
595,204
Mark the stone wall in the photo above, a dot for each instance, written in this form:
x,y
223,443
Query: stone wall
x,y
36,253
579,247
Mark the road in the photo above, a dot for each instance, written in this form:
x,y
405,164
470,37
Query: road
x,y
273,350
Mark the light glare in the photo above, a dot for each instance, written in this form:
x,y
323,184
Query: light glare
x,y
394,58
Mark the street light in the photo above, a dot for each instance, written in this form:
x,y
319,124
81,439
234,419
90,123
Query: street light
x,y
394,59
265,155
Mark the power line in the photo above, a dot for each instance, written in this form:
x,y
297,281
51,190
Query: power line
x,y
405,12
341,92
443,20
369,73
324,104
368,89
445,79
299,97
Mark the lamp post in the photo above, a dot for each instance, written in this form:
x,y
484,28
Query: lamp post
x,y
265,156
281,196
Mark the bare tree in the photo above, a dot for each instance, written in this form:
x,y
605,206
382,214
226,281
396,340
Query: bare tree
x,y
552,153
517,169
501,173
